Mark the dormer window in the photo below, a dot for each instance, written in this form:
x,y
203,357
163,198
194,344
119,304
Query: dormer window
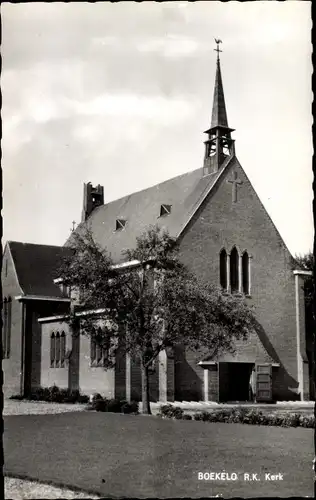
x,y
120,224
165,210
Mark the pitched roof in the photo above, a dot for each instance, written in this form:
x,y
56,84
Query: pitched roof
x,y
36,267
142,209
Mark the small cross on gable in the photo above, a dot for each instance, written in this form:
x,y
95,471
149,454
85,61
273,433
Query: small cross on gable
x,y
235,183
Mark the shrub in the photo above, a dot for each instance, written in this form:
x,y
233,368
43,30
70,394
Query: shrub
x,y
205,416
54,393
95,397
83,398
100,405
223,415
131,407
187,417
307,421
115,405
170,411
197,416
40,394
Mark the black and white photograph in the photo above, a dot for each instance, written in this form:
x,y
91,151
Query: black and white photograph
x,y
158,308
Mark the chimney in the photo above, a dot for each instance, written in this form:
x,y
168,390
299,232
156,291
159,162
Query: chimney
x,y
93,196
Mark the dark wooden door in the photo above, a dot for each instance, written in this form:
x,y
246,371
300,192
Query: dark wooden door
x,y
264,382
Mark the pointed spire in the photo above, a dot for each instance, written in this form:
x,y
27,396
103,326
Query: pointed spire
x,y
219,116
219,144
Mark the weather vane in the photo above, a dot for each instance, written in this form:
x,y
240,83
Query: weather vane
x,y
218,41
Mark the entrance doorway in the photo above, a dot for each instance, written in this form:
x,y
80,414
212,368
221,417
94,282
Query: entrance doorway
x,y
234,382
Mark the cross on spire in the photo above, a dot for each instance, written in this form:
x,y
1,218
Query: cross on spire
x,y
235,183
73,226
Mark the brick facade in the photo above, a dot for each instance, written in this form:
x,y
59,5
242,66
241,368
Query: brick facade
x,y
245,224
12,365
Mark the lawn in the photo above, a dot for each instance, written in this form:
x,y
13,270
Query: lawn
x,y
141,456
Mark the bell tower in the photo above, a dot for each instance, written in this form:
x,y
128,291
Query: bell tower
x,y
93,196
219,144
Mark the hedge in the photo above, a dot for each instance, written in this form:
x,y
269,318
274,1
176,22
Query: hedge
x,y
240,415
54,395
99,403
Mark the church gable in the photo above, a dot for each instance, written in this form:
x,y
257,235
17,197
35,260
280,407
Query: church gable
x,y
9,277
232,218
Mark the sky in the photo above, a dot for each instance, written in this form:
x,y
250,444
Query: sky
x,y
119,94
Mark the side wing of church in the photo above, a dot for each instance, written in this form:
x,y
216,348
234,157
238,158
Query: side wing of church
x,y
226,237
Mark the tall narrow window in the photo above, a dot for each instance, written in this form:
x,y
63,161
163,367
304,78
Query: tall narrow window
x,y
4,327
245,273
8,339
223,269
99,347
52,350
62,349
57,350
234,268
92,346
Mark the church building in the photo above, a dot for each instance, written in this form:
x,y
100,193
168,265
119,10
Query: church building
x,y
225,236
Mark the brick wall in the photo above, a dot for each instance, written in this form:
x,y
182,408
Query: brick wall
x,y
51,375
94,378
213,383
120,375
247,225
188,376
12,365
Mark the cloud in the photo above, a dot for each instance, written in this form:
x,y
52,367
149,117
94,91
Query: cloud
x,y
158,108
170,46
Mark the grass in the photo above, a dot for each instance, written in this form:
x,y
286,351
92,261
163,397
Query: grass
x,y
141,456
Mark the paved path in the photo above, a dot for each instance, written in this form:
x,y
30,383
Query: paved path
x,y
21,489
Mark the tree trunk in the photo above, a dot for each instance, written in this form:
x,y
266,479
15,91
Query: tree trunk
x,y
145,389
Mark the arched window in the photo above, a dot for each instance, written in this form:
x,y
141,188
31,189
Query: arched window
x,y
57,350
52,350
223,269
234,270
245,273
62,349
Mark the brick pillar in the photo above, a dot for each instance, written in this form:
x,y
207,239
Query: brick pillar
x,y
206,393
128,377
166,376
302,362
213,382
